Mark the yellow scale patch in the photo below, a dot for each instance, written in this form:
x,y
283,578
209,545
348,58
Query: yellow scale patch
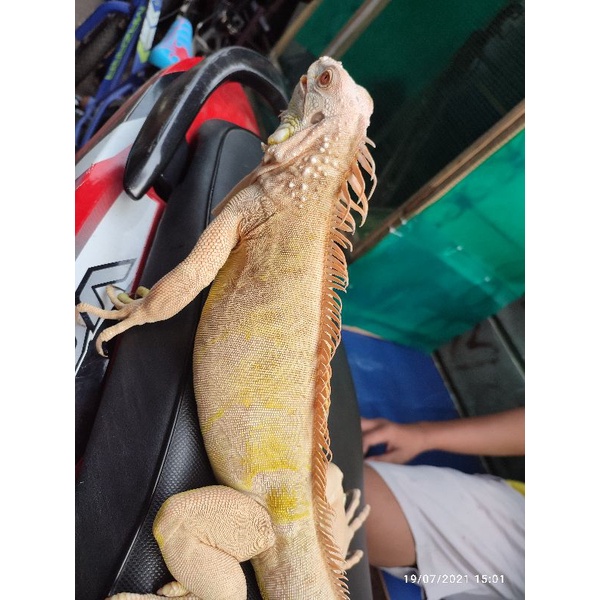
x,y
269,452
286,507
266,451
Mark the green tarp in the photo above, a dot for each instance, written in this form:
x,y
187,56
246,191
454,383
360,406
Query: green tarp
x,y
451,266
405,47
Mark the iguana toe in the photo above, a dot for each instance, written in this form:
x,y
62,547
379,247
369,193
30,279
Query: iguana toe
x,y
174,589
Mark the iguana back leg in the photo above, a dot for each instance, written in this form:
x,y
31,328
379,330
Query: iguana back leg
x,y
216,527
203,535
345,523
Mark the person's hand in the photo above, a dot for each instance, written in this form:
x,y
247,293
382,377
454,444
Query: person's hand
x,y
403,441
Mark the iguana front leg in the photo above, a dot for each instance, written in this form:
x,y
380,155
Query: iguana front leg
x,y
345,523
181,285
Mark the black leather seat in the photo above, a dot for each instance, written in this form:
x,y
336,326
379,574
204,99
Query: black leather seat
x,y
145,444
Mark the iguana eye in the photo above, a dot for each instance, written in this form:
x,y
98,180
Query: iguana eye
x,y
325,78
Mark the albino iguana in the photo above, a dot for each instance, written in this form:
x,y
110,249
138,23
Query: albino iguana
x,y
267,333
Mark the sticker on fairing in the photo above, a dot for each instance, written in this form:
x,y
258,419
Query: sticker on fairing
x,y
111,256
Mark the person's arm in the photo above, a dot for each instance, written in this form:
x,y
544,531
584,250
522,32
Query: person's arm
x,y
500,434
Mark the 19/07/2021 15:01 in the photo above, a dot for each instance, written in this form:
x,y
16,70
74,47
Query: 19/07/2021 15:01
x,y
422,578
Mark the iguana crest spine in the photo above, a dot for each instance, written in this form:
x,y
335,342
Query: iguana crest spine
x,y
331,322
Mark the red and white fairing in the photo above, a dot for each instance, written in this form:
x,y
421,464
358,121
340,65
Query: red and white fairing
x,y
113,232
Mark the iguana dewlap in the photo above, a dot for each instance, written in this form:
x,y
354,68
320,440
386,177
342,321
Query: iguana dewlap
x,y
267,333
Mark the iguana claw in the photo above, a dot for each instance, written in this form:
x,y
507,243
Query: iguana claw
x,y
125,307
124,298
354,523
173,590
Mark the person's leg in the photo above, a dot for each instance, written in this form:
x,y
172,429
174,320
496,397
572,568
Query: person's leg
x,y
390,542
462,527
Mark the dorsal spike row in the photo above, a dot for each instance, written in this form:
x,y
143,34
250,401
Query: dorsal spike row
x,y
336,279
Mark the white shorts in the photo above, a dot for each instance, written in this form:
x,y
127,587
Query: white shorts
x,y
469,531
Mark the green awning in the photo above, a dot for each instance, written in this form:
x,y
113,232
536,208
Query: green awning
x,y
450,266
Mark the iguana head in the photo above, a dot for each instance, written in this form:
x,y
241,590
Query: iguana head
x,y
327,90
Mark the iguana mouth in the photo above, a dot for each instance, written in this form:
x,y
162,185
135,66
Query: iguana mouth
x,y
291,120
285,131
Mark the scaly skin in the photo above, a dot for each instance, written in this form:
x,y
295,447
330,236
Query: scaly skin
x,y
264,344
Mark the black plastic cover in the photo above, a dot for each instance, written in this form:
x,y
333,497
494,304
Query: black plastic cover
x,y
168,121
